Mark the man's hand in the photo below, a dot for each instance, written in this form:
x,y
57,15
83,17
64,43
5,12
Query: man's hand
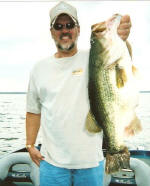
x,y
124,27
35,155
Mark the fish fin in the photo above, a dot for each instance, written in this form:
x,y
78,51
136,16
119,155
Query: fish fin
x,y
136,72
129,48
113,64
91,124
117,161
134,69
133,128
121,77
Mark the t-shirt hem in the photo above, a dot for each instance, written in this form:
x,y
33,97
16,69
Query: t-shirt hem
x,y
77,166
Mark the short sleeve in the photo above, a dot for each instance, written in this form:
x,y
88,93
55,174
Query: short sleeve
x,y
33,104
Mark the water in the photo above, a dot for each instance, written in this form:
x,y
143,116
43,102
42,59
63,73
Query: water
x,y
12,123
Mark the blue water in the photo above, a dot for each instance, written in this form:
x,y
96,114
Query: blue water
x,y
12,123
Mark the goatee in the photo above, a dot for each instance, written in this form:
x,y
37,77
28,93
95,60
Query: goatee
x,y
66,47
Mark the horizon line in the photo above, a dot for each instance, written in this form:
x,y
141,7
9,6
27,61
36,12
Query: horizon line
x,y
23,92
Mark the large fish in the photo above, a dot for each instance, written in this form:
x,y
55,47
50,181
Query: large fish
x,y
112,92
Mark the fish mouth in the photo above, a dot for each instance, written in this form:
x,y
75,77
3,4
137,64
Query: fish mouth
x,y
99,27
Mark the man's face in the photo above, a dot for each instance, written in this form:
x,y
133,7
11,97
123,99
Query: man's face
x,y
65,38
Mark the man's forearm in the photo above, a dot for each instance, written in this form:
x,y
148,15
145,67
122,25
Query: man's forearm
x,y
32,127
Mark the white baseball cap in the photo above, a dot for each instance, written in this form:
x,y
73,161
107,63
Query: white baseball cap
x,y
63,8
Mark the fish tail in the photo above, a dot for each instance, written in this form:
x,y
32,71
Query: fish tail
x,y
118,161
121,77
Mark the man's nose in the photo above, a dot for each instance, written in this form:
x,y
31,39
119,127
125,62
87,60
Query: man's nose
x,y
65,30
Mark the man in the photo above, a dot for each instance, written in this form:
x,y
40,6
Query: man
x,y
57,100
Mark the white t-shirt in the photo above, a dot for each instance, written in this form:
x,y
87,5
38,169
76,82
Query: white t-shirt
x,y
58,89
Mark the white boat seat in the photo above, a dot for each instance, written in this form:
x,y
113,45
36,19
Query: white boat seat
x,y
141,171
18,158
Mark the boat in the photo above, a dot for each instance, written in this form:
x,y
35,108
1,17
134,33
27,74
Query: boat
x,y
138,175
17,169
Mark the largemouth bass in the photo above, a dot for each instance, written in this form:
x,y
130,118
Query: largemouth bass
x,y
112,92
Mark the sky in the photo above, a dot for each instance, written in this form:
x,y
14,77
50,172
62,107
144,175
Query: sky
x,y
25,37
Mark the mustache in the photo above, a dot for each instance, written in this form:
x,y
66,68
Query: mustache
x,y
65,34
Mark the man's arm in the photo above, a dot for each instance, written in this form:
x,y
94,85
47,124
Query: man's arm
x,y
32,128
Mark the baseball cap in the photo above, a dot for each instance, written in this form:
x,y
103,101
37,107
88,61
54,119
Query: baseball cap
x,y
63,8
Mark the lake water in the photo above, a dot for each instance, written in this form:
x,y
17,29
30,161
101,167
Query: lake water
x,y
12,123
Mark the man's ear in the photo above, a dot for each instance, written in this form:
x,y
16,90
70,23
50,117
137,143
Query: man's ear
x,y
78,30
51,31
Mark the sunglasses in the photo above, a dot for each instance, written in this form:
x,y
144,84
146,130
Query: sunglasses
x,y
68,26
